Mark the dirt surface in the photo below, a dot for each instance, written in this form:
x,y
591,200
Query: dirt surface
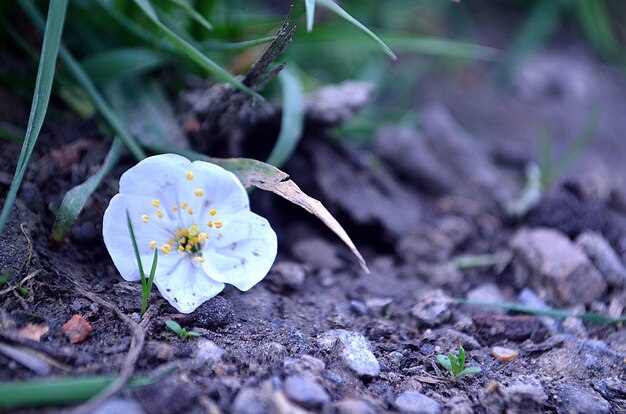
x,y
427,208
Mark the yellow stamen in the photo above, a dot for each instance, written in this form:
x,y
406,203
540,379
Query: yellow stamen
x,y
159,214
188,248
166,248
156,203
189,175
182,240
213,212
181,249
183,205
218,224
170,241
185,232
190,211
199,192
175,208
210,224
202,237
144,218
199,259
153,244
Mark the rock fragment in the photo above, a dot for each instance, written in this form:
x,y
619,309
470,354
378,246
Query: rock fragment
x,y
524,396
353,349
603,257
305,392
432,308
549,262
575,400
318,253
413,402
353,406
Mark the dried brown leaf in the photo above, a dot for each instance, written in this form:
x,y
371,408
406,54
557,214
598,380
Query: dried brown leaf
x,y
267,177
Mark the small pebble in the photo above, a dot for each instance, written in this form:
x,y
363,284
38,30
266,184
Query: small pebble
x,y
358,307
351,406
76,329
504,354
355,351
305,392
413,402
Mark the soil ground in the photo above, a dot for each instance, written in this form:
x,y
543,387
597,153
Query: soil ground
x,y
278,348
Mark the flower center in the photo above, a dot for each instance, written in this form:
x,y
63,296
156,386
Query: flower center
x,y
186,240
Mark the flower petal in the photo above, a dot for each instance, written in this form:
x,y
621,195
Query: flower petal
x,y
117,236
185,286
243,253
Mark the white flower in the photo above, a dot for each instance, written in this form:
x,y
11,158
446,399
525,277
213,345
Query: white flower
x,y
198,216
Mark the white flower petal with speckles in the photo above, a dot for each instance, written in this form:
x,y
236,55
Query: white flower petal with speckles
x,y
240,248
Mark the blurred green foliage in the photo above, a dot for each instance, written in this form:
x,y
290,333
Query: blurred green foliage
x,y
179,43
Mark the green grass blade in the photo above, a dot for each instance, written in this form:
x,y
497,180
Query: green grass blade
x,y
83,80
579,144
542,21
595,21
310,14
461,357
115,64
75,199
65,391
213,45
594,318
191,12
191,52
136,250
41,97
330,4
155,262
292,121
330,34
545,156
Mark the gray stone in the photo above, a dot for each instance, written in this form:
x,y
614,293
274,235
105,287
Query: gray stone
x,y
528,297
304,364
524,396
487,292
354,350
574,326
207,352
432,308
318,253
305,392
378,304
251,401
352,406
611,388
335,104
574,400
119,405
288,274
549,262
413,402
603,257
